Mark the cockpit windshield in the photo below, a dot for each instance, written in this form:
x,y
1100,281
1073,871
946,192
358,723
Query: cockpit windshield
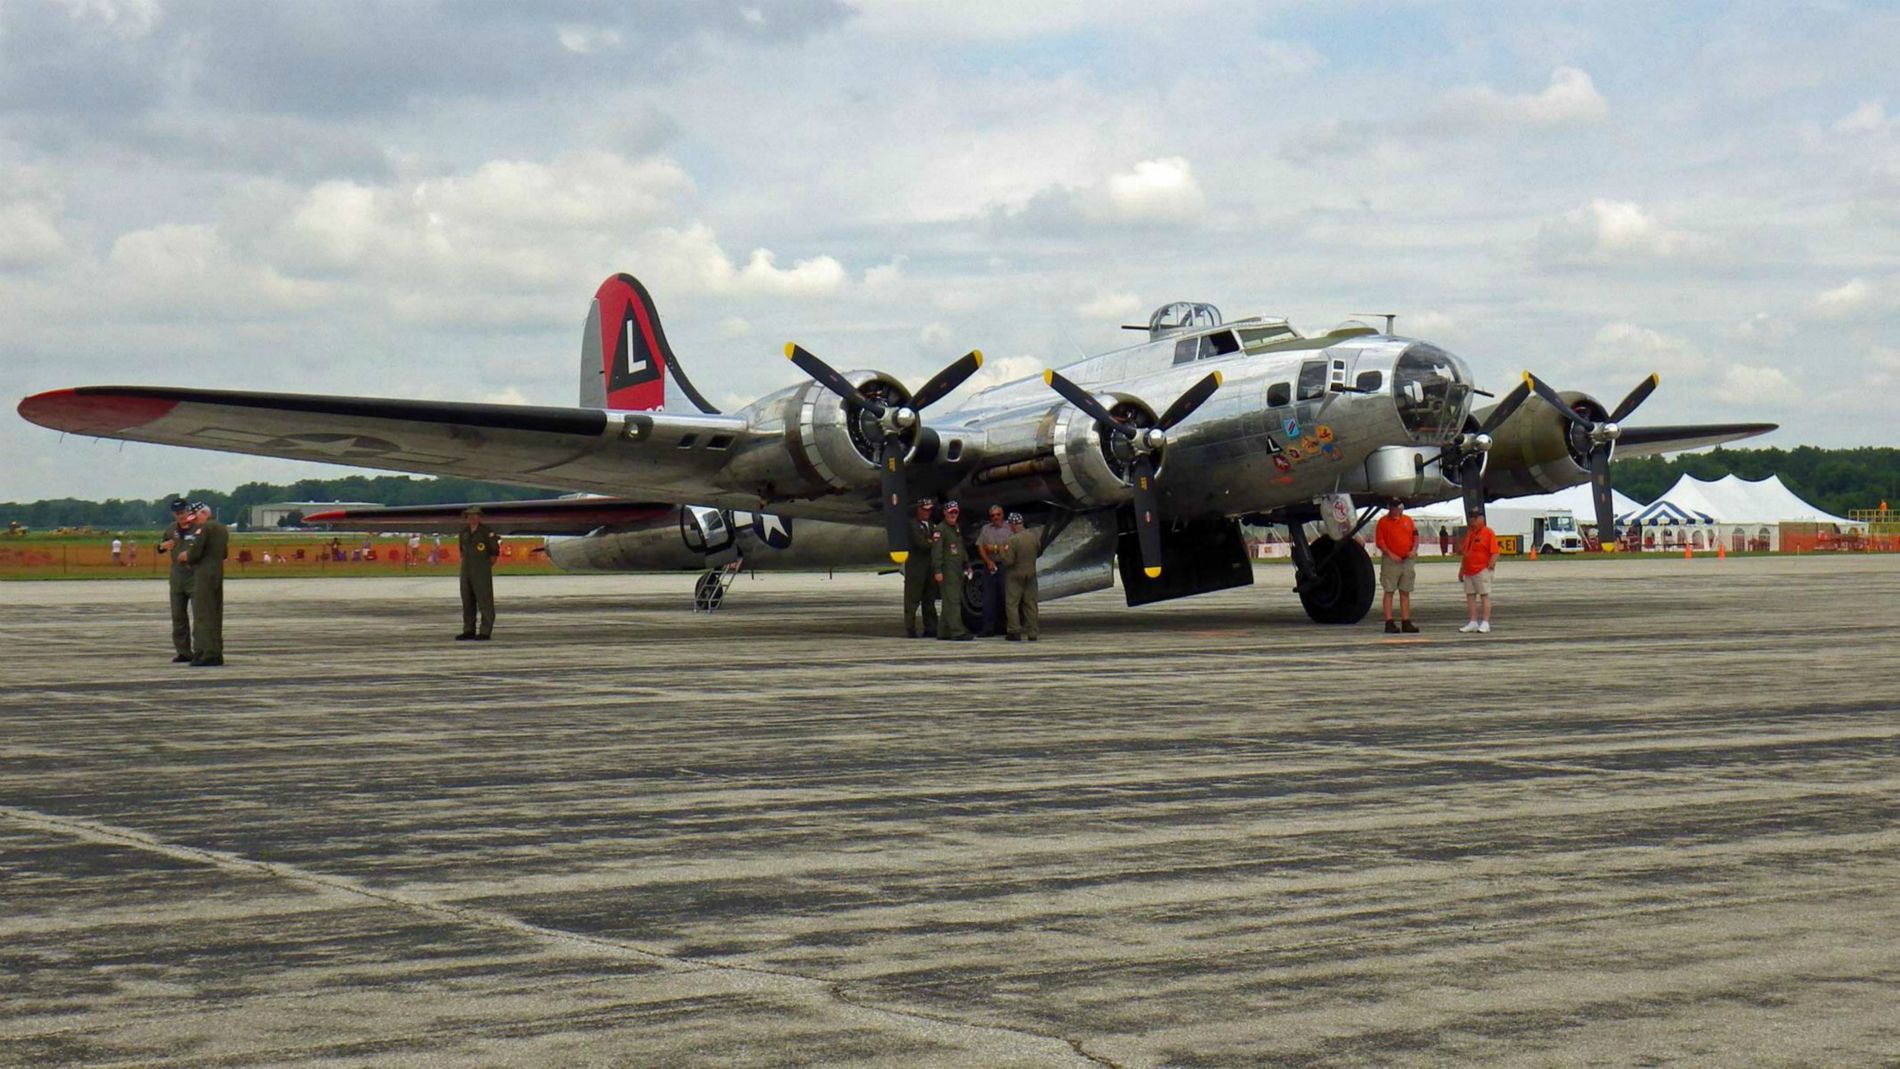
x,y
1433,390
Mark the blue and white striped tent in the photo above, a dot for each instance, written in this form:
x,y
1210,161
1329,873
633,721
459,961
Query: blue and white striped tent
x,y
1665,513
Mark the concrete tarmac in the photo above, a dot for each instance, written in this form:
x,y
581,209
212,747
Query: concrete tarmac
x,y
1649,821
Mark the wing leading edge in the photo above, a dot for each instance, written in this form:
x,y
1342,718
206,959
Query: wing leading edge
x,y
655,455
555,516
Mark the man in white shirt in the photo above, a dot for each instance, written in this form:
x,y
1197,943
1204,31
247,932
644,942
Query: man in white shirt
x,y
989,545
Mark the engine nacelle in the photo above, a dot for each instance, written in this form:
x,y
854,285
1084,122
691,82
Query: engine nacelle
x,y
1055,452
1537,450
811,443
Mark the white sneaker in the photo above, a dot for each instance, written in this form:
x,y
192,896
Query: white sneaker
x,y
1484,628
1470,628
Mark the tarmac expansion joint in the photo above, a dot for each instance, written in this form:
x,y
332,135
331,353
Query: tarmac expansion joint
x,y
99,832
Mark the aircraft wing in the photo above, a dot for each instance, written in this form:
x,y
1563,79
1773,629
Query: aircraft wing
x,y
655,455
1655,441
556,516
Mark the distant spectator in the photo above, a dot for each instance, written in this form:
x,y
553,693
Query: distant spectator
x,y
1480,562
1444,541
118,546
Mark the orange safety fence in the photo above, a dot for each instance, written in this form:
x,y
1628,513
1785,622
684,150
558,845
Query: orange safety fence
x,y
260,556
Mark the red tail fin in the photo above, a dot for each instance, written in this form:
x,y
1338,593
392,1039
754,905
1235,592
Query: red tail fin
x,y
636,360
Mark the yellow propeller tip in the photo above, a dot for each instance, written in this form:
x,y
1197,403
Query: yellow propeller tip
x,y
1655,380
1152,573
791,349
1529,381
1218,379
978,353
1049,376
899,556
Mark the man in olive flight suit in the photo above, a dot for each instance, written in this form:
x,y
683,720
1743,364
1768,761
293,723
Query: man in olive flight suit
x,y
180,579
920,590
948,559
479,548
204,550
1019,580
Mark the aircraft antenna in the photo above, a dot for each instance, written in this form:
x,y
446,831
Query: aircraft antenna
x,y
1389,317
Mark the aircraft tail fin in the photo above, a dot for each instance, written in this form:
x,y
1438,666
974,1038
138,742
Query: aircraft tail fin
x,y
626,363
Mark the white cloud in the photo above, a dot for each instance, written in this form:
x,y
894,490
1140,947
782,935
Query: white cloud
x,y
126,18
1605,230
30,234
1115,306
187,270
1868,118
1156,192
1744,385
1626,346
1764,329
583,40
884,277
1844,300
692,261
507,395
1570,99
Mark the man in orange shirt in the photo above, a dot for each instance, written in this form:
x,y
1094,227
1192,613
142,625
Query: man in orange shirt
x,y
1397,539
1480,560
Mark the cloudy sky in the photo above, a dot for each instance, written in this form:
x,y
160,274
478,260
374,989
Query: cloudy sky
x,y
418,199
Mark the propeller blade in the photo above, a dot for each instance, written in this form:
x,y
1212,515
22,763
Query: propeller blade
x,y
1555,401
1637,396
1147,515
947,380
829,378
1600,494
1471,482
1086,401
890,462
1505,407
1195,397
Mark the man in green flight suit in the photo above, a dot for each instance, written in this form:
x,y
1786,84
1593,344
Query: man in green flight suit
x,y
479,548
949,557
1019,581
180,579
205,548
920,590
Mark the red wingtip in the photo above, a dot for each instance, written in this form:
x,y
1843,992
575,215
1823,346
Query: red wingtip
x,y
325,517
93,411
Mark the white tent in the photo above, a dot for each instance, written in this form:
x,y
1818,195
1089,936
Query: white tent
x,y
1577,500
1734,500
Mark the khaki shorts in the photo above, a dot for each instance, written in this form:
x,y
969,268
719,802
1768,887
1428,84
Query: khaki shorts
x,y
1478,584
1396,574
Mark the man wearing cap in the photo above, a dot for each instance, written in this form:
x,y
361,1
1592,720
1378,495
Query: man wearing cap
x,y
204,550
989,546
479,548
949,561
1019,580
180,578
920,590
1397,538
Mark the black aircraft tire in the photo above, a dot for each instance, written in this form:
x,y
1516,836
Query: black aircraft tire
x,y
1341,590
973,602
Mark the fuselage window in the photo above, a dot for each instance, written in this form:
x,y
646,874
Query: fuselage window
x,y
1252,338
1220,344
1369,381
1186,349
1312,380
1279,395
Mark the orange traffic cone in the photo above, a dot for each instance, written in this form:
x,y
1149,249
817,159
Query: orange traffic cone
x,y
1721,551
1687,553
1533,552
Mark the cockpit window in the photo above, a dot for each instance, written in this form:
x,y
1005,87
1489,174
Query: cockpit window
x,y
1312,380
1252,338
1430,388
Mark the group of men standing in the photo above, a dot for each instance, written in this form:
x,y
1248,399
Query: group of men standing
x,y
196,545
1397,538
939,565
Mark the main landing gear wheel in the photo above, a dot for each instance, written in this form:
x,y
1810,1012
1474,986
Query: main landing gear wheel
x,y
972,607
1340,588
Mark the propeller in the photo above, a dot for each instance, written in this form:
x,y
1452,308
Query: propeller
x,y
1601,436
890,419
1471,449
1143,443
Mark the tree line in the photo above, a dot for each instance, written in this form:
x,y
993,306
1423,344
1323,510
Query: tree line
x,y
234,506
1837,480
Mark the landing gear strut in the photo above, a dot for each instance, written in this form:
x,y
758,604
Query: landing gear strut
x,y
1335,580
